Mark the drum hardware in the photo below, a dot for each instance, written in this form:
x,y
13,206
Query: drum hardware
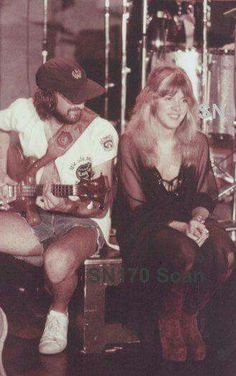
x,y
144,44
107,54
187,59
210,64
124,69
107,84
226,177
221,89
221,155
45,31
161,50
158,29
226,191
231,226
188,20
205,71
179,14
222,174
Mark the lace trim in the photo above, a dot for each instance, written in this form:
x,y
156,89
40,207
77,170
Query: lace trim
x,y
172,185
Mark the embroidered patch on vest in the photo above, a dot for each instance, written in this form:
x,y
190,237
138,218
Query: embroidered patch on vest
x,y
107,142
64,139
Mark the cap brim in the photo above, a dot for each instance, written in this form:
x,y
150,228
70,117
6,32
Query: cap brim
x,y
91,90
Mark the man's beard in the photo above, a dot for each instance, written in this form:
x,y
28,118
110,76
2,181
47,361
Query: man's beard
x,y
67,119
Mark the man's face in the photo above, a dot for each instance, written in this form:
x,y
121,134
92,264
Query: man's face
x,y
68,111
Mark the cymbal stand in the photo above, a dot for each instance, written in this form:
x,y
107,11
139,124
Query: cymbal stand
x,y
45,31
234,155
178,19
124,69
144,44
205,98
107,84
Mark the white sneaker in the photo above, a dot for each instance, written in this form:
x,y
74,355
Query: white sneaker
x,y
54,338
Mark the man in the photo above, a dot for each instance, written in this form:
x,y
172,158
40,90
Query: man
x,y
70,230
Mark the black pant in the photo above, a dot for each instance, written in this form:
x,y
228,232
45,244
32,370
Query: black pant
x,y
166,272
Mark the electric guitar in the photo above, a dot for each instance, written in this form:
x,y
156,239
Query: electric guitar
x,y
21,197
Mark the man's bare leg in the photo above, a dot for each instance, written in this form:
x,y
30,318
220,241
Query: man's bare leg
x,y
17,237
62,260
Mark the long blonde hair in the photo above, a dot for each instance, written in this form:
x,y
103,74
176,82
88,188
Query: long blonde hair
x,y
142,127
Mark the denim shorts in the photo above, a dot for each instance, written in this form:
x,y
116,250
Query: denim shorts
x,y
54,225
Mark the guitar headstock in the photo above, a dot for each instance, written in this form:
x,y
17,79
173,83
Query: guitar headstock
x,y
94,189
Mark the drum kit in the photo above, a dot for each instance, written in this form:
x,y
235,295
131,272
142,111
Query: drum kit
x,y
165,45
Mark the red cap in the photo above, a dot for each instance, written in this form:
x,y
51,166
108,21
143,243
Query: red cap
x,y
69,79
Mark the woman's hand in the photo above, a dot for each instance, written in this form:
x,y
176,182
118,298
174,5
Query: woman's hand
x,y
180,226
197,231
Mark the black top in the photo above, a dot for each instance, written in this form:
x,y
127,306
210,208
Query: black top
x,y
146,200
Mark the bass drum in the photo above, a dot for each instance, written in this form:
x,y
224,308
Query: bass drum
x,y
189,60
221,83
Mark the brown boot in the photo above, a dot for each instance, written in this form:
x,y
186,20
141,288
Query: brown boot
x,y
192,336
173,346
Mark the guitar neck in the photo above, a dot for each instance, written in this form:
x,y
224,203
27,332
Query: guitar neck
x,y
64,190
58,190
95,189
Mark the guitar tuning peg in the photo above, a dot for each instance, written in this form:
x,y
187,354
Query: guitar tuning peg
x,y
90,206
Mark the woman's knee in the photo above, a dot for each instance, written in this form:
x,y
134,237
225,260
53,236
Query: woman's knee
x,y
186,255
179,250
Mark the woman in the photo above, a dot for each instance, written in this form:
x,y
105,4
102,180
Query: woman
x,y
175,255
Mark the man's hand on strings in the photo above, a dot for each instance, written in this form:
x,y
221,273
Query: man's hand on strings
x,y
50,202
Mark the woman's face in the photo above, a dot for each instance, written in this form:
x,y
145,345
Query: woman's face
x,y
171,110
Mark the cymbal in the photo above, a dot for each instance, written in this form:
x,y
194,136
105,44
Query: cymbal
x,y
228,46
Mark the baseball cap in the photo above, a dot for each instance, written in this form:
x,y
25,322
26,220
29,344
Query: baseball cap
x,y
69,79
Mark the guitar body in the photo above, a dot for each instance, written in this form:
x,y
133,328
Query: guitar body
x,y
23,195
16,163
17,168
